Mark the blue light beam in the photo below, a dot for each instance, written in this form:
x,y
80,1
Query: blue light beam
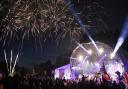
x,y
101,60
81,46
76,16
122,37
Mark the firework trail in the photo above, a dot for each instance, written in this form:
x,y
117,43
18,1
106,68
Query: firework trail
x,y
11,66
6,61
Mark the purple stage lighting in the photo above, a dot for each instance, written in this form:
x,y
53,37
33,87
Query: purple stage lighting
x,y
91,64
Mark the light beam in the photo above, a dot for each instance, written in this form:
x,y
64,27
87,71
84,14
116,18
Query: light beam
x,y
81,46
122,37
76,16
101,60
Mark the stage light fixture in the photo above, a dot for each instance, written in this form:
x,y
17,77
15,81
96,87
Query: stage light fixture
x,y
90,52
112,55
80,57
101,50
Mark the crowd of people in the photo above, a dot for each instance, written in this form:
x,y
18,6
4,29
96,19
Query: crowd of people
x,y
34,82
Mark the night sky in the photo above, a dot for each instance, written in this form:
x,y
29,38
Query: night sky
x,y
32,53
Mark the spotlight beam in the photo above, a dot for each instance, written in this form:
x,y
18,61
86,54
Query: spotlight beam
x,y
83,48
76,16
122,37
102,59
93,42
85,59
80,45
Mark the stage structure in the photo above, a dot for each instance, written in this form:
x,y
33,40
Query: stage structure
x,y
63,72
90,62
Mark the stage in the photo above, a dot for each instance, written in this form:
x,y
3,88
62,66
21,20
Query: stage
x,y
86,60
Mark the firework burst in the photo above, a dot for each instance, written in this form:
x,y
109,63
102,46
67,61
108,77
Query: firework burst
x,y
39,18
94,16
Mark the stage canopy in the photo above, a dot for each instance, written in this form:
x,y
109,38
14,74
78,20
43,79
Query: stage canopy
x,y
86,60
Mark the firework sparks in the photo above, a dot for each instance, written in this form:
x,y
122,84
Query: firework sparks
x,y
47,18
93,14
95,17
38,17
